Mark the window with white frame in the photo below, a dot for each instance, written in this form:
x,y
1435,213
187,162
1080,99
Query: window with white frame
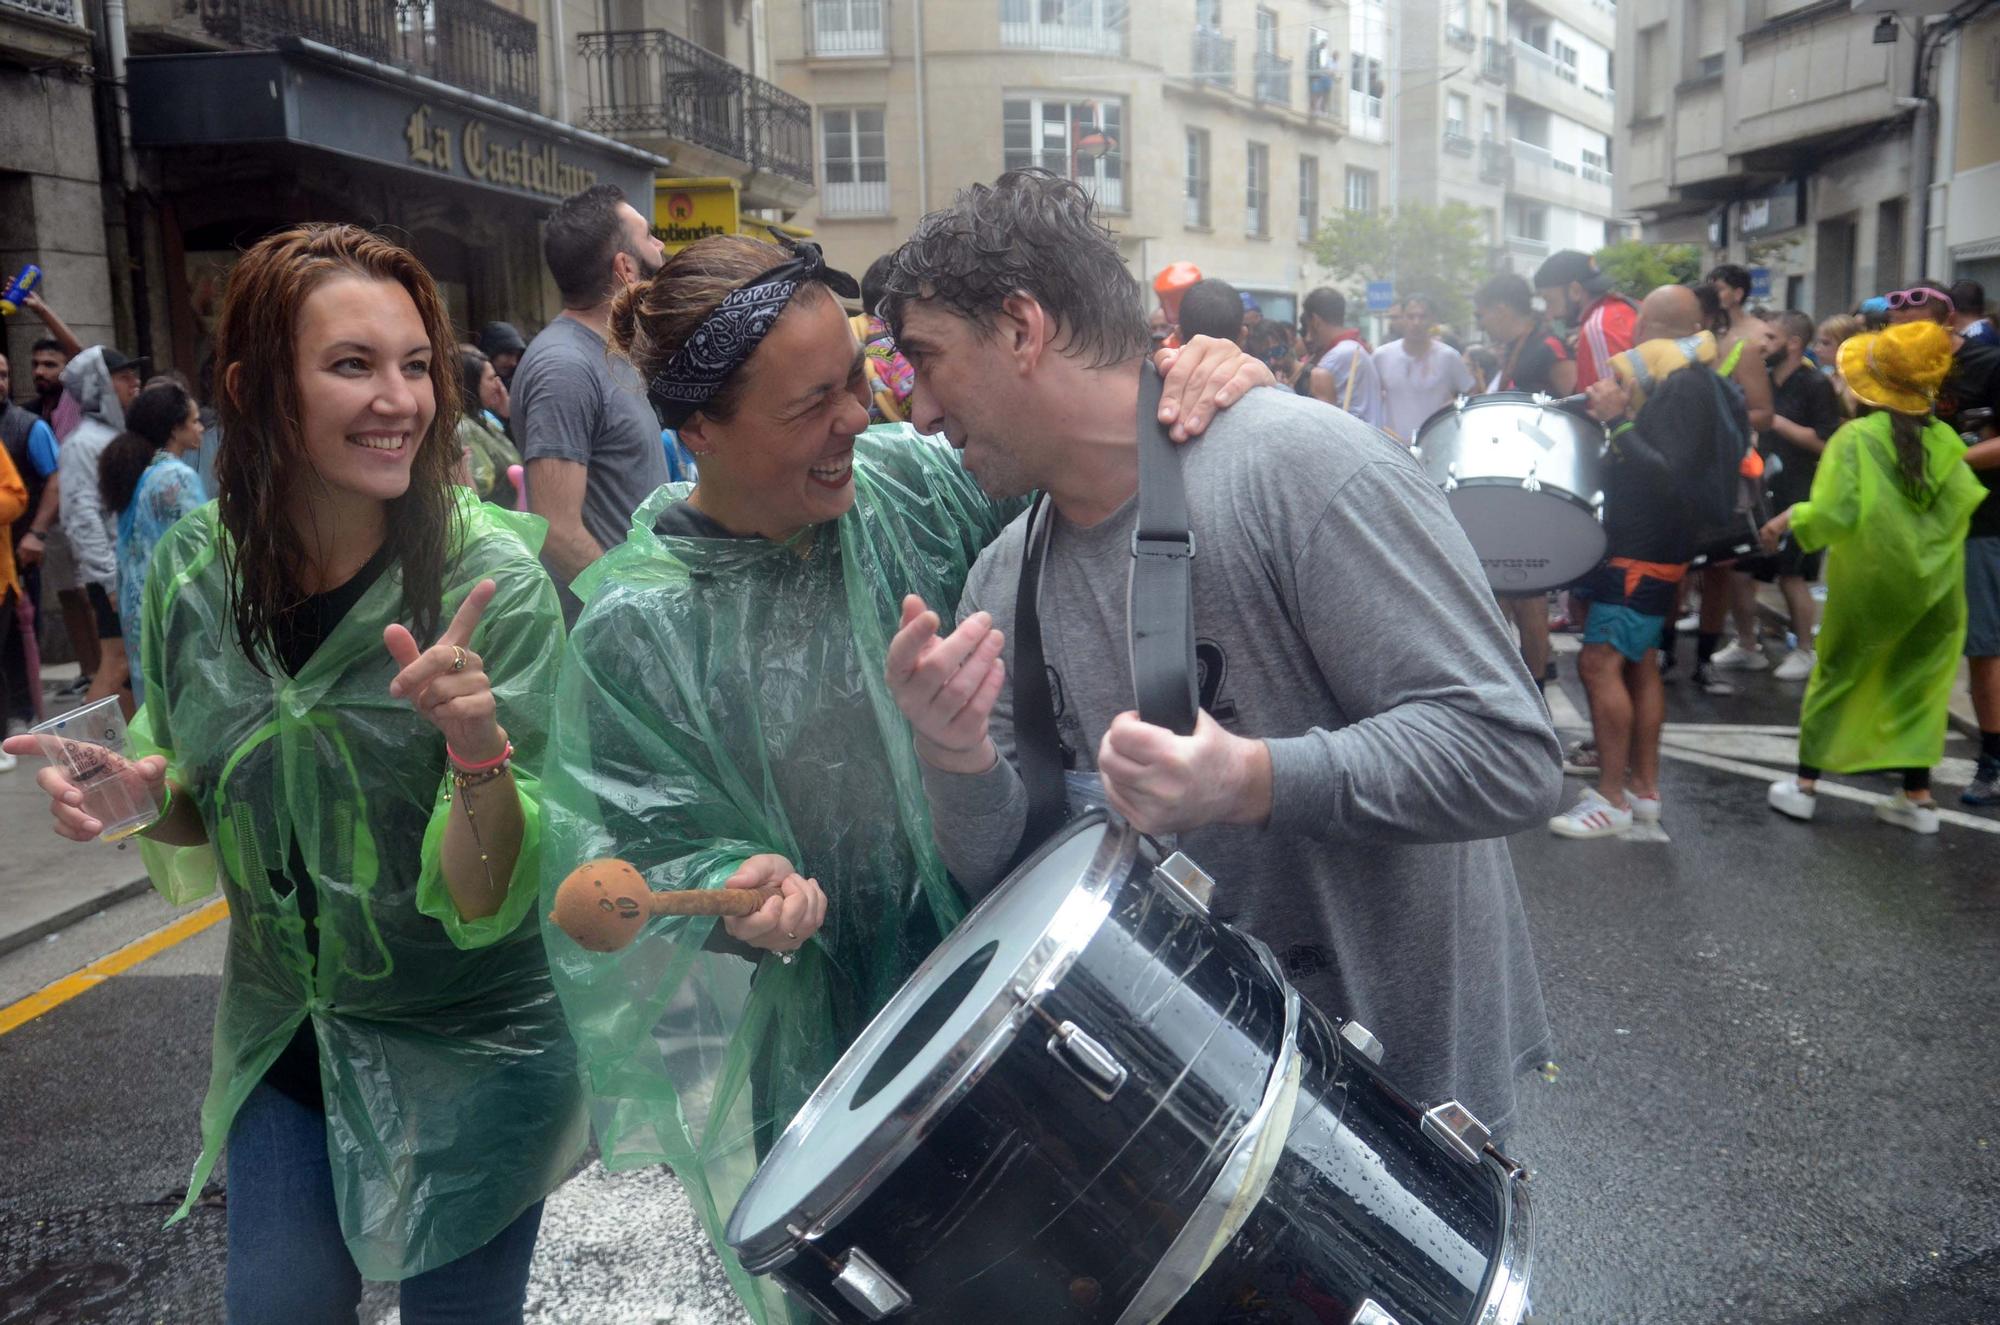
x,y
1308,198
1457,115
1197,213
1080,139
1257,190
854,162
1088,27
847,27
1360,190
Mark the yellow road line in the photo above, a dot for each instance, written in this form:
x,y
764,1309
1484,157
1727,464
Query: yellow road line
x,y
52,996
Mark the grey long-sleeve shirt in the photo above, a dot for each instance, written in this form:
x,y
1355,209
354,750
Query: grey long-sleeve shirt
x,y
1342,617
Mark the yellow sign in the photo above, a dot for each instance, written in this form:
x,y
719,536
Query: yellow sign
x,y
685,210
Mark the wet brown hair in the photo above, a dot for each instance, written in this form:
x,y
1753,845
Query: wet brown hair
x,y
263,449
652,319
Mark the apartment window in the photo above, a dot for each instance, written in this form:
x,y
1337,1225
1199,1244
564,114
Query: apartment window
x,y
1197,178
1457,115
1564,53
847,27
1083,140
853,164
1708,26
1496,26
1090,27
1267,32
1360,190
1531,222
1257,190
1489,123
1458,22
1650,81
1208,14
1308,198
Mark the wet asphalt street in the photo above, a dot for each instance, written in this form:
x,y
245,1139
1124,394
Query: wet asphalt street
x,y
1776,1096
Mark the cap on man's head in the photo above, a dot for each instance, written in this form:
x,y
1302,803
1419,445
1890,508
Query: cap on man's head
x,y
1249,302
115,362
1562,268
501,338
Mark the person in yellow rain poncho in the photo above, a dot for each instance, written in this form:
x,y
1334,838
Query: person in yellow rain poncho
x,y
723,721
391,1077
1891,502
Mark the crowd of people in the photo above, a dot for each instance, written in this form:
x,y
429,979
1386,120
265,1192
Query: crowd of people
x,y
1797,400
456,621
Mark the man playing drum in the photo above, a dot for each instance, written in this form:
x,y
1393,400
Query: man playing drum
x,y
1367,733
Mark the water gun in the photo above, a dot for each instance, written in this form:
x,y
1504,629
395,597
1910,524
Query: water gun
x,y
19,288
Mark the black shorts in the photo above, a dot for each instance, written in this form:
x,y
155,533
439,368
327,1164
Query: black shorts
x,y
1787,560
107,615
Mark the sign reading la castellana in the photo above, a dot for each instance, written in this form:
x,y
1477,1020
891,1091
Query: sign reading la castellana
x,y
485,155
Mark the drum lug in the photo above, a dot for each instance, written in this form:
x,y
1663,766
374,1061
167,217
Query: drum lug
x,y
1451,477
1090,1062
1186,878
1370,1312
868,1287
1452,1126
1362,1041
1532,481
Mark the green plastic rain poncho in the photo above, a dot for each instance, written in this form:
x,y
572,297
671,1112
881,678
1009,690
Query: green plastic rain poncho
x,y
724,698
449,1080
1895,598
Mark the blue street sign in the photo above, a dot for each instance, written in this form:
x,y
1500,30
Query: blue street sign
x,y
1381,294
1760,282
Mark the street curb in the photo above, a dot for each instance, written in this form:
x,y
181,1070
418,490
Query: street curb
x,y
1778,616
41,929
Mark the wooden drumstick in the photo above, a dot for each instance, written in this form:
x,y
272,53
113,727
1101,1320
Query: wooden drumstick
x,y
603,904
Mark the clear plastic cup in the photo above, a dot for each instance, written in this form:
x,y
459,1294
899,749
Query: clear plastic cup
x,y
92,749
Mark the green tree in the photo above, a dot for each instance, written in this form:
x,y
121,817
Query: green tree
x,y
1440,252
1639,268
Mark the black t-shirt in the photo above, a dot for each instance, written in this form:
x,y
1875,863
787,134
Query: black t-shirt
x,y
1806,398
1975,384
1534,358
682,520
1674,445
300,632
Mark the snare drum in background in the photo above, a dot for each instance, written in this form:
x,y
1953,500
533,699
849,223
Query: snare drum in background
x,y
1526,481
1094,1104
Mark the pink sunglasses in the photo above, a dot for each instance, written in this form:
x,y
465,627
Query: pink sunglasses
x,y
1921,295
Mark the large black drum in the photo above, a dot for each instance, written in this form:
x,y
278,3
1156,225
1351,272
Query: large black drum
x,y
1094,1104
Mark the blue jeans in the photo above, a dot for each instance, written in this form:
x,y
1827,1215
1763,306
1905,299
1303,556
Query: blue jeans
x,y
287,1262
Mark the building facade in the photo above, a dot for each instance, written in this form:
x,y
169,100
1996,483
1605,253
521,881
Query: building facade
x,y
1774,133
1209,131
1963,233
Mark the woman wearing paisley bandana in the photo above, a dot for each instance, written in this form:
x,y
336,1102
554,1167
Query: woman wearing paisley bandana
x,y
722,719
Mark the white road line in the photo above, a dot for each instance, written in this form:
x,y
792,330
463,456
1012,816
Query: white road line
x,y
1833,789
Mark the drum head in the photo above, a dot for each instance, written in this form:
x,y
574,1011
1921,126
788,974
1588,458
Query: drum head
x,y
1528,542
940,1030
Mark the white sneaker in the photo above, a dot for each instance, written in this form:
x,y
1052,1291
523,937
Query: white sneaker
x,y
1689,624
7,762
1645,809
1734,657
1797,665
1593,816
1789,798
1903,812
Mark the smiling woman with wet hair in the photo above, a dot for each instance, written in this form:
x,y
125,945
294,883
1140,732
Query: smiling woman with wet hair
x,y
390,1079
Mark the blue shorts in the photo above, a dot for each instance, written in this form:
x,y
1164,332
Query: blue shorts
x,y
1630,632
1982,596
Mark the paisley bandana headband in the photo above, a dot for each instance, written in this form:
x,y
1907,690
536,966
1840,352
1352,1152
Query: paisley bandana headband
x,y
728,337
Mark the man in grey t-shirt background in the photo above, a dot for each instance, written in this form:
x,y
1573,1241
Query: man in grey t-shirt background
x,y
1368,733
587,433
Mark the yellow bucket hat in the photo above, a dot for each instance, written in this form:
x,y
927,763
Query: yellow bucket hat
x,y
1900,369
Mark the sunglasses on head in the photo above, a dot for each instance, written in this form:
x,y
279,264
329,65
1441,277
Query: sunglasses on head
x,y
1921,295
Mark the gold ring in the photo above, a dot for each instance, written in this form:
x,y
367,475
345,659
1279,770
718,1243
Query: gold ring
x,y
457,659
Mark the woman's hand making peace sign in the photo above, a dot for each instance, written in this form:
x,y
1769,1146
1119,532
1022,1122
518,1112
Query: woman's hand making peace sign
x,y
447,683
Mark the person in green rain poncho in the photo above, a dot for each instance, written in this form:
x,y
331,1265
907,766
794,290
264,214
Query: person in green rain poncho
x,y
391,1077
1891,502
723,721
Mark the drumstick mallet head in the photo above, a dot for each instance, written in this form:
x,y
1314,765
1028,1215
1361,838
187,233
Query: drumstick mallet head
x,y
603,904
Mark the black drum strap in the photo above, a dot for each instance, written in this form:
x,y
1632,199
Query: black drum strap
x,y
1159,615
1159,599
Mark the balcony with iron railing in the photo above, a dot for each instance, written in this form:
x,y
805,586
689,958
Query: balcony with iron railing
x,y
650,81
1460,37
1214,59
1495,61
1457,142
847,29
1194,211
55,11
1274,79
468,43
